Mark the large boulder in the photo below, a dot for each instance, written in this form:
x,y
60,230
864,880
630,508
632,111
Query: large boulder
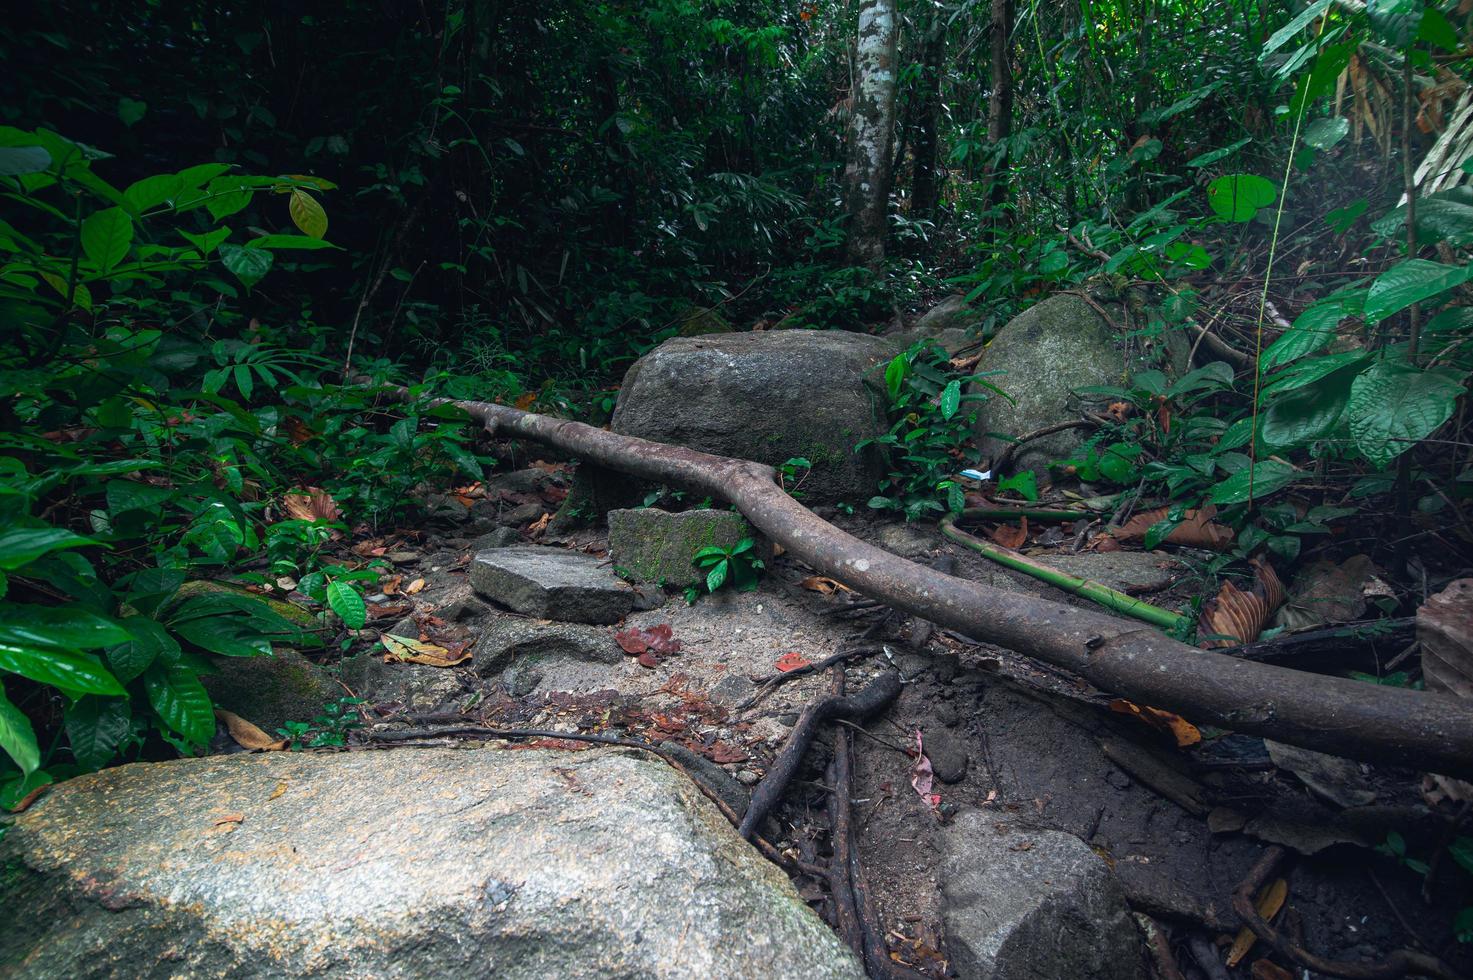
x,y
767,396
952,323
1045,353
419,863
271,691
1022,904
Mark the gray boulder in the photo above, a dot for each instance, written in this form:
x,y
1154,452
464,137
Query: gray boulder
x,y
424,863
418,687
1024,904
952,323
657,546
767,396
1045,353
527,654
550,583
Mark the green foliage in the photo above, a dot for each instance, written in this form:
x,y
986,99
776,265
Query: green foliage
x,y
929,439
327,730
736,568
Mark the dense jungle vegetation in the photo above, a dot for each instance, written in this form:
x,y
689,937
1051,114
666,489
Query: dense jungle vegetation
x,y
217,216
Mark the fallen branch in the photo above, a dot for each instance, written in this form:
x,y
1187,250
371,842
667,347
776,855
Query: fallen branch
x,y
1339,640
1004,458
880,692
1329,714
767,685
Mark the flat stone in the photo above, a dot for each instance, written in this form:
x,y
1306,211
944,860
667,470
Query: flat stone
x,y
502,537
424,863
550,583
507,640
418,687
1023,904
1123,571
656,546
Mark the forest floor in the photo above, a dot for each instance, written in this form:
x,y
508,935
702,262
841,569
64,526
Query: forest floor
x,y
1180,827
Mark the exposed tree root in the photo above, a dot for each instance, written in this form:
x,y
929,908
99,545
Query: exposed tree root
x,y
1344,717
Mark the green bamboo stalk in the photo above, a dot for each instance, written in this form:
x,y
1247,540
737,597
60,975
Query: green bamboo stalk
x,y
1104,595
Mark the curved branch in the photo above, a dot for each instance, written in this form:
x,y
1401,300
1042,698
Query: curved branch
x,y
1343,717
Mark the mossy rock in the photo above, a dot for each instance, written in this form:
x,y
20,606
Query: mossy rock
x,y
271,691
649,545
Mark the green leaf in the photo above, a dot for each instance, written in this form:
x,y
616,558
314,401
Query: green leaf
x,y
951,399
249,265
181,701
18,160
348,604
130,111
1237,197
17,737
106,237
895,374
1311,412
96,728
1411,281
150,192
1322,134
717,576
150,642
1437,29
307,213
226,195
1397,21
65,627
1025,484
208,242
1281,37
73,672
23,545
1461,851
1343,219
1312,329
1212,156
290,242
1257,481
1394,404
1117,462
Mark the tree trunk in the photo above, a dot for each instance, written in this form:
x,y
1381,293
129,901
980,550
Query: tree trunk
x,y
1000,106
925,185
871,124
1393,726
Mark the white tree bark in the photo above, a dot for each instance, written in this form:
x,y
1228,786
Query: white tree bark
x,y
871,125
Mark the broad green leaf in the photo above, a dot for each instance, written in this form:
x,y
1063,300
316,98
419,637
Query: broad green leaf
x,y
1308,413
1453,319
150,192
1411,281
150,642
249,265
1212,156
73,672
348,604
17,737
22,545
1437,29
1394,404
307,214
181,701
1342,219
289,241
1309,371
192,178
1312,329
229,636
1397,21
716,578
66,627
1322,134
895,374
1281,37
131,111
1252,482
106,237
951,398
96,728
18,160
208,242
226,195
1238,197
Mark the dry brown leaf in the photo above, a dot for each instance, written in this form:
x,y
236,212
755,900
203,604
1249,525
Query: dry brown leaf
x,y
230,818
1329,592
311,504
248,735
24,803
1011,535
526,400
823,584
1270,900
296,430
415,586
403,650
389,584
965,363
1197,531
278,791
1241,616
1445,630
1269,970
1183,731
536,528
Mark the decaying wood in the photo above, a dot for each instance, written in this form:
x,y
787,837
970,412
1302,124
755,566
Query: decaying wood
x,y
1335,715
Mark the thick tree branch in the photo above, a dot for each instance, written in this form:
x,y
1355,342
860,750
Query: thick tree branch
x,y
1329,714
